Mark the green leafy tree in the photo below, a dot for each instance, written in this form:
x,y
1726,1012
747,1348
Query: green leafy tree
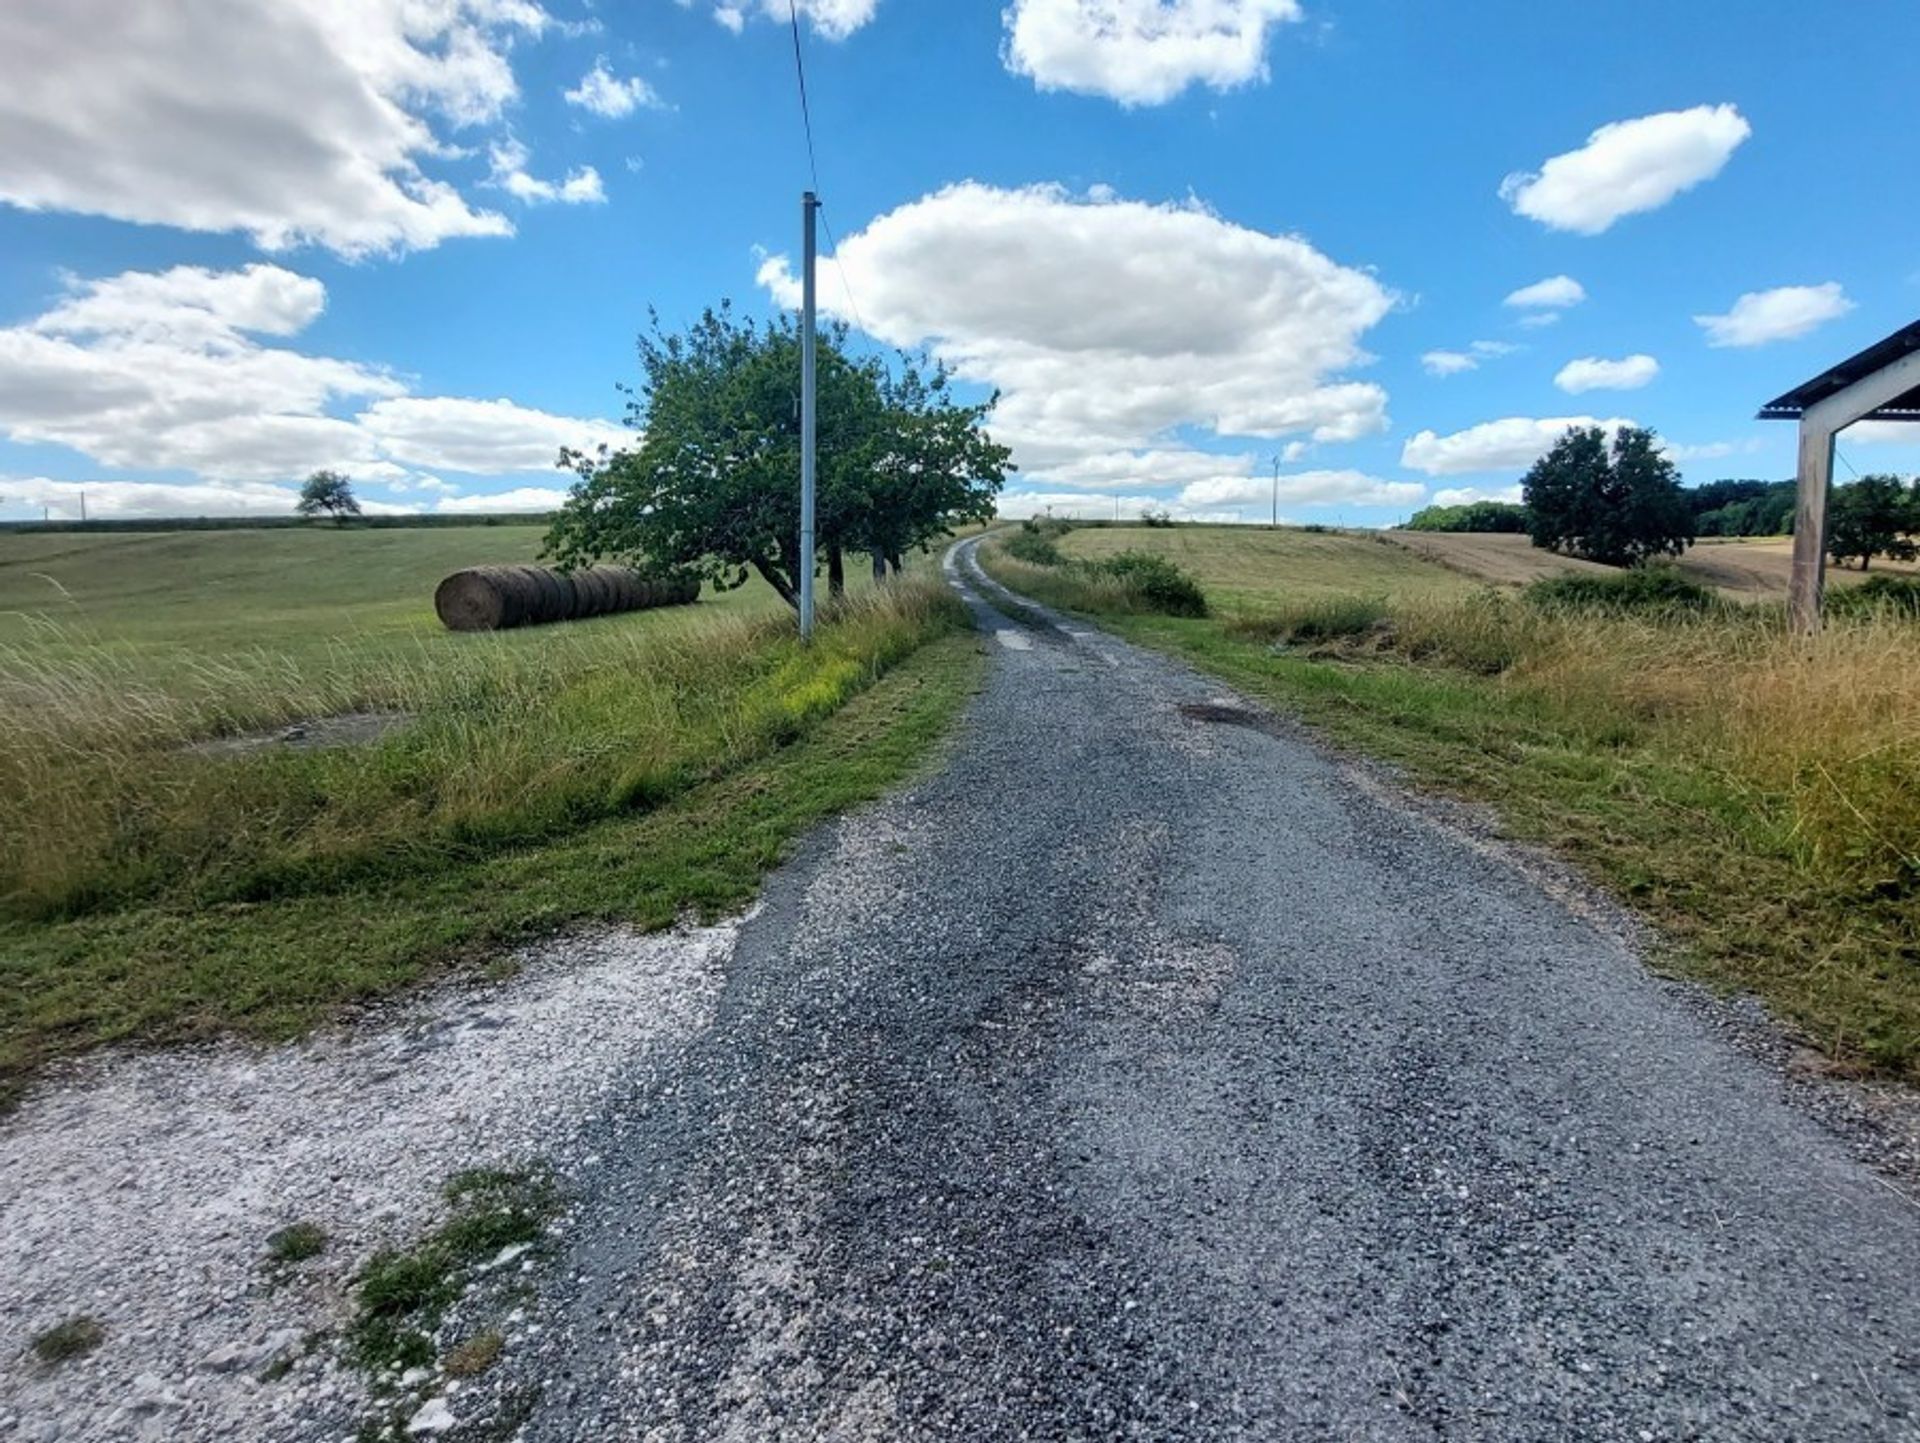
x,y
1619,504
712,487
327,493
1874,516
1496,516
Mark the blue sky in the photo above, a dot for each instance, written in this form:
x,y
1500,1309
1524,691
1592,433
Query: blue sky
x,y
1396,245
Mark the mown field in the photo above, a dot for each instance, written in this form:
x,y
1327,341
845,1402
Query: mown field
x,y
1756,795
170,868
1742,568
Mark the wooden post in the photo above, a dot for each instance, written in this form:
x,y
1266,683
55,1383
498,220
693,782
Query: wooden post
x,y
1806,592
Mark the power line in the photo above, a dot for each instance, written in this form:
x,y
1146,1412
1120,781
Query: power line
x,y
800,71
845,284
813,161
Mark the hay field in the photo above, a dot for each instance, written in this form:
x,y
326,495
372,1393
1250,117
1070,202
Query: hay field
x,y
1744,568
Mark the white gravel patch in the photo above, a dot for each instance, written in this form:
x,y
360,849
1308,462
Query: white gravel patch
x,y
142,1190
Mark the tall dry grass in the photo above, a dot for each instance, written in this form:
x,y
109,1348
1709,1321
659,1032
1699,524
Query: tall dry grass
x,y
104,800
1821,735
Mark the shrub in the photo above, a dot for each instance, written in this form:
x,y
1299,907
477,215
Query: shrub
x,y
1327,618
1886,595
1643,588
1033,546
1155,583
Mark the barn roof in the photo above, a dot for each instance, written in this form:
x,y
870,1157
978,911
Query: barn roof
x,y
1876,357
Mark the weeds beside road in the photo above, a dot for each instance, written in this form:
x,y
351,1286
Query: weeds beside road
x,y
623,769
1757,796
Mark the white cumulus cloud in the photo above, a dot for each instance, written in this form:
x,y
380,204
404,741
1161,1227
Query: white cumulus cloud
x,y
300,121
450,433
1107,326
1628,167
1141,52
604,93
1305,488
1508,444
521,498
1467,495
581,186
171,370
1782,314
1448,363
834,19
1590,373
1555,293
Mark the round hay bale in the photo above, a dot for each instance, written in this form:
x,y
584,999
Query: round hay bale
x,y
599,593
553,599
520,586
470,601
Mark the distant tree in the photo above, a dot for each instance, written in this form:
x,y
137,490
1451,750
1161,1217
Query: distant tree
x,y
1742,508
712,486
1620,505
328,493
1156,516
1874,516
1498,516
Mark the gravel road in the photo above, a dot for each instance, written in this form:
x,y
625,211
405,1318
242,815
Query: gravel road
x,y
1139,1075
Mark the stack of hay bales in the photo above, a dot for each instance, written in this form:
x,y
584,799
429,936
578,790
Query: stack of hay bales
x,y
496,598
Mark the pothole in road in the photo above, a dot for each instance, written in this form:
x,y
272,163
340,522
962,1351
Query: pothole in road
x,y
1220,713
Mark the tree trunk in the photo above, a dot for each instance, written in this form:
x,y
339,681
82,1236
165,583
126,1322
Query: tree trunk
x,y
893,560
879,567
773,578
836,571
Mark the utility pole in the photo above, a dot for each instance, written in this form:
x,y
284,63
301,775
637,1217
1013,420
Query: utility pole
x,y
1276,491
83,506
809,207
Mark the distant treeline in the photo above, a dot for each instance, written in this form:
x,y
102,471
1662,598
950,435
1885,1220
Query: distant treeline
x,y
1720,508
278,523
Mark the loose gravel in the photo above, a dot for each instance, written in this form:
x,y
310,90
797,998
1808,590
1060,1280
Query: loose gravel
x,y
1141,1076
142,1191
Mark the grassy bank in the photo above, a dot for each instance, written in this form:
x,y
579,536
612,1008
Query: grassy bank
x,y
1757,796
155,887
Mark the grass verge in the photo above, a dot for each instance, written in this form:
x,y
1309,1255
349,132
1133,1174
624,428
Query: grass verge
x,y
171,969
1757,797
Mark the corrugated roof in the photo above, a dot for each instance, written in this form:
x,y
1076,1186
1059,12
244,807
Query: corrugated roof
x,y
1876,357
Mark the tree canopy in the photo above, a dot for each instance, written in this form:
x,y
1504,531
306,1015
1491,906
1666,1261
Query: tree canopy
x,y
712,485
1470,516
1619,504
1874,516
328,493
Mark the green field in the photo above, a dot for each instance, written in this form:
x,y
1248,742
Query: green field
x,y
171,865
1757,797
1243,568
163,599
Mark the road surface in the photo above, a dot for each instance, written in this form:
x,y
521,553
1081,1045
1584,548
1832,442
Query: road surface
x,y
1139,1075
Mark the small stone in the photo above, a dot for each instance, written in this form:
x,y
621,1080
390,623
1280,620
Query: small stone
x,y
435,1417
230,1359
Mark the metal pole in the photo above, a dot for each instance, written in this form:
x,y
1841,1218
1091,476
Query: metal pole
x,y
809,204
1276,493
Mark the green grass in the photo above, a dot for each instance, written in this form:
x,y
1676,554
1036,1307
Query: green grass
x,y
1243,568
69,1339
623,769
402,1295
296,1243
1757,798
